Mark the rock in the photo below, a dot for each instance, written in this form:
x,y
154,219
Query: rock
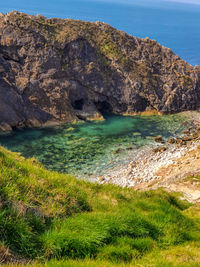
x,y
196,123
118,151
171,140
66,70
181,142
162,149
144,161
136,134
70,129
33,123
187,132
158,139
129,148
101,179
159,149
195,135
132,164
184,123
187,138
4,127
91,115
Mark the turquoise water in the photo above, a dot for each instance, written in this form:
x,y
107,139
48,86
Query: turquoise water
x,y
90,148
175,25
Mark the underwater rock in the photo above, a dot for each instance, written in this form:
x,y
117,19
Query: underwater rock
x,y
70,129
136,134
117,151
129,148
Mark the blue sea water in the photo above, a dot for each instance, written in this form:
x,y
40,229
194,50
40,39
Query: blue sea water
x,y
175,25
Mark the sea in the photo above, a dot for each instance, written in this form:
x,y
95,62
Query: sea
x,y
89,148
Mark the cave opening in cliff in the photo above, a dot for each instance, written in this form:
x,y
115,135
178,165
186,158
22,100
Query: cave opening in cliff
x,y
141,104
78,104
104,107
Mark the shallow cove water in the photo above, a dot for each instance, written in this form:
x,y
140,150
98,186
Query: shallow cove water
x,y
89,148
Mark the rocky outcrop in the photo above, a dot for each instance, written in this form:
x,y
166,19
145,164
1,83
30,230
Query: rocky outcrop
x,y
55,70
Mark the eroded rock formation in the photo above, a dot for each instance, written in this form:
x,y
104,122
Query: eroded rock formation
x,y
56,70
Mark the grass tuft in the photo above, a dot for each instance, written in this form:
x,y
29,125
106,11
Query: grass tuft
x,y
54,218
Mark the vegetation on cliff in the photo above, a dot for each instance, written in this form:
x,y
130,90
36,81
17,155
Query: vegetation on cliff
x,y
54,219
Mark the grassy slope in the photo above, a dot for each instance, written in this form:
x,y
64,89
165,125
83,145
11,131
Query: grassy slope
x,y
53,218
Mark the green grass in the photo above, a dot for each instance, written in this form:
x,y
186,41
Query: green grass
x,y
52,219
194,179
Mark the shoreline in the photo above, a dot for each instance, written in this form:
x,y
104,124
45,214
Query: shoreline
x,y
6,129
145,165
159,164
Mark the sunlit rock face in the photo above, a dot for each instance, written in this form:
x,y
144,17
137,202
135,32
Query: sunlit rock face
x,y
55,70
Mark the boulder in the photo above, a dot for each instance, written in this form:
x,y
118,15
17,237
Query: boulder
x,y
158,139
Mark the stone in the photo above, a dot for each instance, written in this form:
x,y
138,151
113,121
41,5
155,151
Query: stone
x,y
70,129
117,151
159,149
59,70
171,140
158,139
181,142
187,138
101,178
136,134
187,132
4,127
33,123
195,135
132,164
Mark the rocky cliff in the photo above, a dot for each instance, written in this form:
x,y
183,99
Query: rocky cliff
x,y
56,70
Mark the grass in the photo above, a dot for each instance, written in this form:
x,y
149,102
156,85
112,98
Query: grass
x,y
52,219
194,179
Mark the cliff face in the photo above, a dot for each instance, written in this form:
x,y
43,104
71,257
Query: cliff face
x,y
54,70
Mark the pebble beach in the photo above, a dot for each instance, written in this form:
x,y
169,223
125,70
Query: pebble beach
x,y
145,163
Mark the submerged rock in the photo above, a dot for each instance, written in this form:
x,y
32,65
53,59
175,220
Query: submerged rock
x,y
70,129
137,134
117,151
56,70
